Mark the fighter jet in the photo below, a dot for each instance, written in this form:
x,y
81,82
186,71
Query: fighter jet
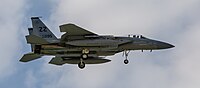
x,y
80,46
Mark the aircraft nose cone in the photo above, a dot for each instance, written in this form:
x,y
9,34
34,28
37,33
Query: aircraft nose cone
x,y
169,45
163,45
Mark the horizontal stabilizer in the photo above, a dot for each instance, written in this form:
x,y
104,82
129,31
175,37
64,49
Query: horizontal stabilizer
x,y
29,57
57,61
33,39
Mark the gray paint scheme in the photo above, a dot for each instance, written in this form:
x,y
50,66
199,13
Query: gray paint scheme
x,y
80,46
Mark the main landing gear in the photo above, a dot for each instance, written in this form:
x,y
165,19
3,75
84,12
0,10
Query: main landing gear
x,y
81,64
125,53
84,56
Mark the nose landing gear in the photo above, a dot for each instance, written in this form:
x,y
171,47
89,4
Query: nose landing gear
x,y
125,53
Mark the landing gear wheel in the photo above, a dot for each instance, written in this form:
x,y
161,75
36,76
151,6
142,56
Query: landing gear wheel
x,y
84,56
86,51
126,61
81,65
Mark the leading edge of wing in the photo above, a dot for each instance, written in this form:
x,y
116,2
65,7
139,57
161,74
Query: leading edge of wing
x,y
73,29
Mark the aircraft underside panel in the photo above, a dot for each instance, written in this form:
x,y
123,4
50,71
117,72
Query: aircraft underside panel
x,y
79,48
77,53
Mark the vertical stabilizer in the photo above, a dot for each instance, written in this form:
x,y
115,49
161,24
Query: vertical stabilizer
x,y
41,30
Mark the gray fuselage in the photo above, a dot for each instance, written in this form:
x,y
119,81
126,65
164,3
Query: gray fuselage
x,y
103,46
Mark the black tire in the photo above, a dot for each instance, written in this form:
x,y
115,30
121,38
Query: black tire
x,y
126,61
81,65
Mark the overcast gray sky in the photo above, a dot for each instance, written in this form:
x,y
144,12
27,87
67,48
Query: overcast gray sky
x,y
173,21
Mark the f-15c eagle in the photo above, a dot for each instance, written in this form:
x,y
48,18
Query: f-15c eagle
x,y
80,46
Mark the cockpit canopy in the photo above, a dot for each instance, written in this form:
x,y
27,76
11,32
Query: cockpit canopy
x,y
137,36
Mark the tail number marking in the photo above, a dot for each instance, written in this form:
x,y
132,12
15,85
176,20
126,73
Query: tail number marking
x,y
47,36
43,29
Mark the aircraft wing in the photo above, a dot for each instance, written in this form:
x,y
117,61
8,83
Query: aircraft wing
x,y
74,30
